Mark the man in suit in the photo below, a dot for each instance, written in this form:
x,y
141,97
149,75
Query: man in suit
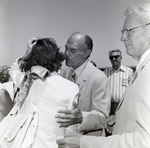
x,y
94,97
132,128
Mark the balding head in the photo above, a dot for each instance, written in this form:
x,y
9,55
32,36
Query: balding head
x,y
78,49
83,38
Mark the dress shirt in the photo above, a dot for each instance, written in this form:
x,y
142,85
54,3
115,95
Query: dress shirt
x,y
80,69
119,80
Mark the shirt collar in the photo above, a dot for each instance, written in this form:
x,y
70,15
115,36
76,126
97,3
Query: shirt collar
x,y
122,68
79,70
142,59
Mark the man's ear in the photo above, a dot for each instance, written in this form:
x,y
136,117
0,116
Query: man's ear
x,y
87,53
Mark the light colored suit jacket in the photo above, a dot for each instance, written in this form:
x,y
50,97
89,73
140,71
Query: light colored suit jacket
x,y
94,99
132,128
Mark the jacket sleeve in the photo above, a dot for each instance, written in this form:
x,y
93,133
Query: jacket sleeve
x,y
139,139
101,100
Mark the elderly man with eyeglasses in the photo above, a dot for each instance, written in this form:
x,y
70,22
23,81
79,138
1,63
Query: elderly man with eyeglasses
x,y
132,127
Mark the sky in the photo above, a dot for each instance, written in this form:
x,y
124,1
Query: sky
x,y
20,20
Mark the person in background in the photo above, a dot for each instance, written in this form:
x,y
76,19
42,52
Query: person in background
x,y
119,78
6,92
132,127
41,92
94,97
6,102
4,74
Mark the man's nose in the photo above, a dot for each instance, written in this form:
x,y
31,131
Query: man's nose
x,y
123,37
66,53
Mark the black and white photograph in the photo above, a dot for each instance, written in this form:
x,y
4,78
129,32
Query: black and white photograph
x,y
74,73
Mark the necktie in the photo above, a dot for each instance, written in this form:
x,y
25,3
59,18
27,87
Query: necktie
x,y
74,77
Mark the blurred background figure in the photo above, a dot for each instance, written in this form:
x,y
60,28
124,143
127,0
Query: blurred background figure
x,y
4,74
6,92
119,77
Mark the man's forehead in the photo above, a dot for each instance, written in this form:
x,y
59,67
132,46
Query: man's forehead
x,y
131,21
115,53
76,40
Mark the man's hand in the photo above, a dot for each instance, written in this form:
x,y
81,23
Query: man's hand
x,y
69,142
67,117
110,123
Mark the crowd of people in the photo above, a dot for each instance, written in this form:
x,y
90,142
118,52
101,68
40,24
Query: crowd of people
x,y
45,105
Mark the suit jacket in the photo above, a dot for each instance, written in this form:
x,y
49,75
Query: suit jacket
x,y
94,98
132,128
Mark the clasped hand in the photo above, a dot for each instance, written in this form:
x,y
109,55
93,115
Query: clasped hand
x,y
69,142
110,123
67,117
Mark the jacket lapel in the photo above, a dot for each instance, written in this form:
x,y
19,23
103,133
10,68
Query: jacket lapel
x,y
82,79
147,59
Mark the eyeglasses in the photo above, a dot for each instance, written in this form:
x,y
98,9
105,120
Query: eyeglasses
x,y
114,57
126,31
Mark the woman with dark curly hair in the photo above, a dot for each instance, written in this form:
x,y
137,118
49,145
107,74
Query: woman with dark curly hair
x,y
41,92
45,52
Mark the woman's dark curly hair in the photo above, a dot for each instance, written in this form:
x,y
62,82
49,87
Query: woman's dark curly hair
x,y
45,52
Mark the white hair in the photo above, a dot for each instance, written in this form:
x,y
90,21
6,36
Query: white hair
x,y
142,11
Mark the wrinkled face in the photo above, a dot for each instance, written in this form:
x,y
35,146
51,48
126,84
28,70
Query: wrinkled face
x,y
115,59
136,39
75,51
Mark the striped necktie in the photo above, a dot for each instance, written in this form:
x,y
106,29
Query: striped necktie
x,y
73,76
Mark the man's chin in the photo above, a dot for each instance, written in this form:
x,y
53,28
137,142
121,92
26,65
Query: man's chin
x,y
67,64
